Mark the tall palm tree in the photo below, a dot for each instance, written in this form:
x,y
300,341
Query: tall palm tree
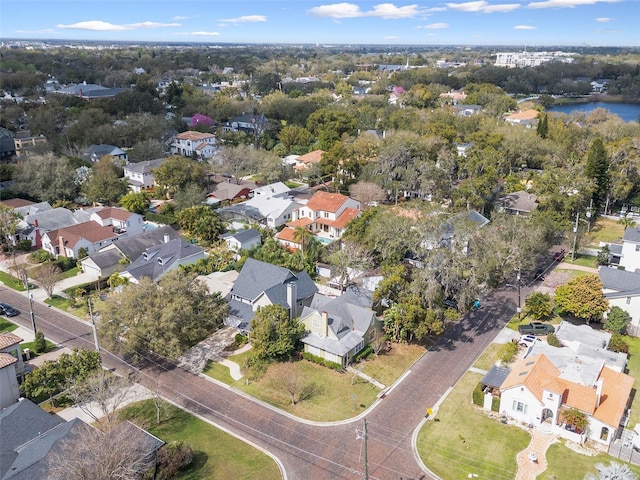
x,y
613,471
627,221
300,236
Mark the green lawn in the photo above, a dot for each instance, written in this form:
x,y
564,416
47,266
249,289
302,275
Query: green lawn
x,y
567,464
488,357
69,273
81,310
633,369
6,325
461,441
389,367
331,395
11,281
605,230
31,346
218,455
583,260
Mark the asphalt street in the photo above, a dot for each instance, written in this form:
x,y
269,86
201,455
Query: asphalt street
x,y
304,449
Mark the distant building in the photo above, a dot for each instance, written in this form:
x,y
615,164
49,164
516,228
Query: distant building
x,y
140,175
530,59
194,144
95,152
517,203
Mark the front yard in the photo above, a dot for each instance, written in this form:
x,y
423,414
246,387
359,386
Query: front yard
x,y
218,455
604,230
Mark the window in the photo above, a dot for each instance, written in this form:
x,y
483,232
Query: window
x,y
359,347
637,248
315,322
628,300
519,407
326,214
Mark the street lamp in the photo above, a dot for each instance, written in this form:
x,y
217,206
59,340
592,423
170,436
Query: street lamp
x,y
31,315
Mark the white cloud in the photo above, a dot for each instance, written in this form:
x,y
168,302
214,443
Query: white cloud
x,y
391,37
204,34
603,19
350,10
100,26
46,30
524,27
244,19
435,26
566,3
178,17
483,6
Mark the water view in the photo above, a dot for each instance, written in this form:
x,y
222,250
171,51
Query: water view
x,y
629,112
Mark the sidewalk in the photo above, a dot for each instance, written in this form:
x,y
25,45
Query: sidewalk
x,y
539,444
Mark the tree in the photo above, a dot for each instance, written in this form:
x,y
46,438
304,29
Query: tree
x,y
543,126
45,177
350,260
618,343
9,220
176,173
105,183
329,124
617,320
172,458
135,202
294,136
47,275
105,390
201,222
274,335
597,169
40,343
367,193
582,297
189,196
576,418
603,256
83,454
627,222
236,161
291,379
53,376
539,305
166,318
612,471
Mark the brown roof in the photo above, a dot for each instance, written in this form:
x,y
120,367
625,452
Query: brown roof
x,y
327,202
16,202
113,212
342,221
311,157
91,231
529,114
287,234
8,339
616,389
301,222
191,135
6,360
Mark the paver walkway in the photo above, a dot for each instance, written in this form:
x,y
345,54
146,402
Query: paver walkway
x,y
528,470
373,381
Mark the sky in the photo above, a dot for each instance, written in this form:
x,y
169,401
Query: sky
x,y
532,23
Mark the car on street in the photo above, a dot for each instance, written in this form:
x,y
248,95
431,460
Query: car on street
x,y
528,340
559,255
8,311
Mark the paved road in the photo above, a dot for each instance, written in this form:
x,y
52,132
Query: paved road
x,y
307,450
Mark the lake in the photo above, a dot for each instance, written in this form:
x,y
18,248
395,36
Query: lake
x,y
629,112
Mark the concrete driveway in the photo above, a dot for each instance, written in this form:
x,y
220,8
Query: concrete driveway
x,y
212,348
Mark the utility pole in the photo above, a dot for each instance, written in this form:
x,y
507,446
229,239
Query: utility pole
x,y
364,437
93,327
31,315
518,282
575,237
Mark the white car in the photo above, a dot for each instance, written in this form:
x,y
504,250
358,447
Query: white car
x,y
528,340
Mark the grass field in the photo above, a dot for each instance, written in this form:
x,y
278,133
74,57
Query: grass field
x,y
389,367
583,260
461,442
567,464
605,230
11,281
329,395
488,357
6,325
633,369
218,455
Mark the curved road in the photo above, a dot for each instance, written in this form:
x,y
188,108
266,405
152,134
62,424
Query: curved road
x,y
306,450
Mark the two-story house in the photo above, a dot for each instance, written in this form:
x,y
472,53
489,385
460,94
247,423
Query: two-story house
x,y
251,124
95,152
325,216
628,255
11,368
194,144
622,289
139,175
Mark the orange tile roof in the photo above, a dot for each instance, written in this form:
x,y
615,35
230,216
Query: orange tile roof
x,y
112,212
325,201
342,221
91,231
301,222
578,396
311,157
616,389
7,339
287,234
537,373
529,114
6,360
191,135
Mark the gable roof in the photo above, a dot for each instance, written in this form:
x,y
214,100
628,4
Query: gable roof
x,y
194,136
7,359
8,339
16,202
256,277
133,246
102,150
91,231
623,282
55,218
616,388
327,202
522,115
156,260
113,212
242,235
632,234
146,166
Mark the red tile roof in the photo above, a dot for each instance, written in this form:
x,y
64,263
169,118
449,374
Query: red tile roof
x,y
616,389
113,212
6,360
287,234
7,339
345,217
191,135
325,201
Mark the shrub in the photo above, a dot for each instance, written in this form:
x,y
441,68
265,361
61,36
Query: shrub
x,y
617,320
478,395
495,404
160,218
172,458
553,340
40,344
508,351
40,256
65,263
363,354
618,343
24,245
321,361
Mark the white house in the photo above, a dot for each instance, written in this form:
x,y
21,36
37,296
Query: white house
x,y
622,289
190,144
537,393
139,175
630,254
242,240
326,216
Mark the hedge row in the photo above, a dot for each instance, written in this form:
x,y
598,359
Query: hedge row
x,y
321,361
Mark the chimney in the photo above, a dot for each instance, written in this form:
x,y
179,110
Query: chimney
x,y
63,251
292,296
325,324
598,387
35,223
166,238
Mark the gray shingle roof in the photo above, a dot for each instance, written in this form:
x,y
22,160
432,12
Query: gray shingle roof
x,y
243,235
496,376
257,277
132,247
159,259
146,166
107,258
632,234
619,280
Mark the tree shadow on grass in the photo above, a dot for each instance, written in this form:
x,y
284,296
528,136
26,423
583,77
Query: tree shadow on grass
x,y
200,459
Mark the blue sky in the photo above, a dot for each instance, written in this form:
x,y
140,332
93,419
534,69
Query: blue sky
x,y
456,22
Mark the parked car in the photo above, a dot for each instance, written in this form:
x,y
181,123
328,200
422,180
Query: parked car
x,y
528,340
536,328
451,304
8,311
559,256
